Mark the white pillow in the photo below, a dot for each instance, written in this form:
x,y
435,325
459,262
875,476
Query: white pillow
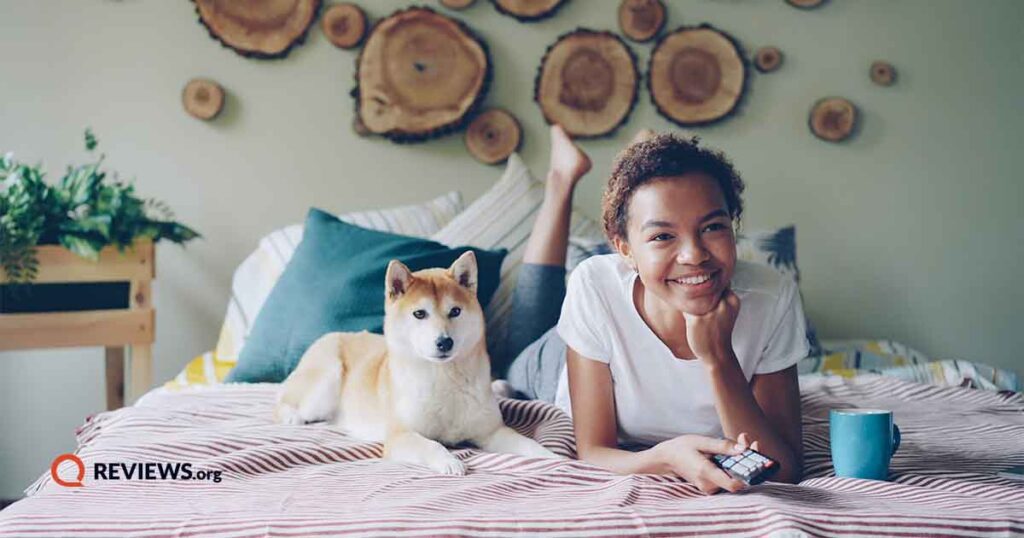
x,y
503,218
258,273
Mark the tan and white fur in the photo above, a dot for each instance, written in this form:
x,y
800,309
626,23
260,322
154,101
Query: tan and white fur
x,y
422,385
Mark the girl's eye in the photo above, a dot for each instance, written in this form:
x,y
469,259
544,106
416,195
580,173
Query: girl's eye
x,y
454,312
714,227
419,314
662,237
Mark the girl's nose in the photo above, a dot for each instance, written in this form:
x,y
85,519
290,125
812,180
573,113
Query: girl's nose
x,y
692,253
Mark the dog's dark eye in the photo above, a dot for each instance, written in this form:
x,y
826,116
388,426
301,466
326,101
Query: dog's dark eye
x,y
419,314
454,312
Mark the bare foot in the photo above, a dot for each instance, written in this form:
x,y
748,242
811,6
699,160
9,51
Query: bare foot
x,y
642,135
568,162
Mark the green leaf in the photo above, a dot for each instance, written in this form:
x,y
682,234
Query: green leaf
x,y
90,140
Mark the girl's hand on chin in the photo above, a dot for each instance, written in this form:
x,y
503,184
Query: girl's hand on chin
x,y
688,457
710,335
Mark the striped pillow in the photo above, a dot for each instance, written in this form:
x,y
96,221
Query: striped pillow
x,y
503,218
256,276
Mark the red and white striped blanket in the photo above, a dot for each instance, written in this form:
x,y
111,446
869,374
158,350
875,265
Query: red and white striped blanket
x,y
312,480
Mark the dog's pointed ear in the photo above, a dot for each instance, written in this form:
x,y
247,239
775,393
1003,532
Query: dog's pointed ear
x,y
398,279
464,270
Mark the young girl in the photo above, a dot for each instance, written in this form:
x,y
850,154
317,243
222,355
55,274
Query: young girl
x,y
671,347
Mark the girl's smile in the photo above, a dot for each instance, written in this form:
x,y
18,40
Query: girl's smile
x,y
680,239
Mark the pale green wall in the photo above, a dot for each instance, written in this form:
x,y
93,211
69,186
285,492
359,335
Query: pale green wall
x,y
911,231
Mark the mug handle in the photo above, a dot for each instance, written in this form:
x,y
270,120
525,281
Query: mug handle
x,y
896,437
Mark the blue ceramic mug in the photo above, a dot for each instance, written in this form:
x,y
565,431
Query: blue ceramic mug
x,y
863,441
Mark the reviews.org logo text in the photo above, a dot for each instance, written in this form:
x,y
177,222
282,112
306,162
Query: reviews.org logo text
x,y
149,470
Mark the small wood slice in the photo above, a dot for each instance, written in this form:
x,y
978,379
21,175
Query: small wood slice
x,y
805,4
258,28
767,59
457,4
419,75
202,98
344,25
493,136
587,82
833,119
883,73
641,20
697,76
528,10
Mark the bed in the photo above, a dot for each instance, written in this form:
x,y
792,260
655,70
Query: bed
x,y
313,480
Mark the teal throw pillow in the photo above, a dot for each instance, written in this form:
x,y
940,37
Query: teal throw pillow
x,y
335,282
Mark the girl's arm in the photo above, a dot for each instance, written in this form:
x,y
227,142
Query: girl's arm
x,y
593,413
593,410
767,409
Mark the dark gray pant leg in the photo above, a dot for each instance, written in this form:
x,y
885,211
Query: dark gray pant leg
x,y
533,345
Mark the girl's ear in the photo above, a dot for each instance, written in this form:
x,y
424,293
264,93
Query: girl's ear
x,y
622,247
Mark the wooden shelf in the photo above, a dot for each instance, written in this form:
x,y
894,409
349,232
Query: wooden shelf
x,y
131,327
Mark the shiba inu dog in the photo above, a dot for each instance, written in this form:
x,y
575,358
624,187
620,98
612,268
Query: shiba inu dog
x,y
422,385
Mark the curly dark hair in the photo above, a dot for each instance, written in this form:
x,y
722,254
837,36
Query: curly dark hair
x,y
659,157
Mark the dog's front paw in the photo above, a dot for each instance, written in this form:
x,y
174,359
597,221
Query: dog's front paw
x,y
450,466
286,414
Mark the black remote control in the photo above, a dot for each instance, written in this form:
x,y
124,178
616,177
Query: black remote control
x,y
750,467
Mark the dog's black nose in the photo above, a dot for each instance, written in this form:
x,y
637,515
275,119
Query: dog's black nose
x,y
444,344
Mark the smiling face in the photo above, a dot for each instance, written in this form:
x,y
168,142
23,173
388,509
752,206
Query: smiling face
x,y
679,236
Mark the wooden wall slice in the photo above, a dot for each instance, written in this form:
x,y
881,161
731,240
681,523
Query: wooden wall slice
x,y
493,136
457,4
641,20
883,73
767,59
258,28
587,82
344,25
805,4
697,76
419,75
528,10
202,98
833,119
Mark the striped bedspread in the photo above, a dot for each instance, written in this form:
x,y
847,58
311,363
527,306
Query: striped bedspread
x,y
312,480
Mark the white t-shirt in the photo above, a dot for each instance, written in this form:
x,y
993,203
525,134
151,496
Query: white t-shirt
x,y
658,396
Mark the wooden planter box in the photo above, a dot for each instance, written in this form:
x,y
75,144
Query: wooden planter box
x,y
113,329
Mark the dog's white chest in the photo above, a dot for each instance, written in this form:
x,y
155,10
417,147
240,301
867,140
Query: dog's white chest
x,y
448,412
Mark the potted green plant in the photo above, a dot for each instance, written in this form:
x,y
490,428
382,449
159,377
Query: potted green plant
x,y
84,213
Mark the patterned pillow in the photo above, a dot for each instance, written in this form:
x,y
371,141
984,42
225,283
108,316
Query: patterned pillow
x,y
503,218
777,249
853,358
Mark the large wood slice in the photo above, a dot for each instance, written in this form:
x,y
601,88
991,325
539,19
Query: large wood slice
x,y
420,75
344,25
833,119
528,10
587,82
493,136
641,20
258,28
697,76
